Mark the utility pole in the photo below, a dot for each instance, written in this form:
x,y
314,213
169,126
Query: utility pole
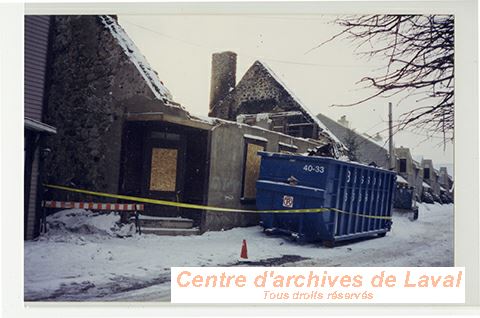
x,y
390,138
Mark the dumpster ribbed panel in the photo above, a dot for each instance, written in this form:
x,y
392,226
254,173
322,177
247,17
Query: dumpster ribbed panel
x,y
340,172
371,201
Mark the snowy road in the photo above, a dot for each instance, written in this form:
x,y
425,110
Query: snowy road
x,y
75,266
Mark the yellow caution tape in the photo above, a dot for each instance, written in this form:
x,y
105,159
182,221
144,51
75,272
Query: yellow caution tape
x,y
205,207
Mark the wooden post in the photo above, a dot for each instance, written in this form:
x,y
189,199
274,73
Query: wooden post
x,y
137,223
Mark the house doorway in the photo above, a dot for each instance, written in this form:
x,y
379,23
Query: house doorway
x,y
166,161
164,167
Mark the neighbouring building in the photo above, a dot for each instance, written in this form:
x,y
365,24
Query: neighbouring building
x,y
446,180
37,46
430,175
367,150
409,169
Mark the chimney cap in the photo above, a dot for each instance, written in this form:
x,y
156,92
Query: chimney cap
x,y
225,53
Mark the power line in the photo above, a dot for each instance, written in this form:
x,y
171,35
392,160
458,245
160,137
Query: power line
x,y
164,35
245,54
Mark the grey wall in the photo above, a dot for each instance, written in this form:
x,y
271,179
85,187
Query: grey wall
x,y
226,172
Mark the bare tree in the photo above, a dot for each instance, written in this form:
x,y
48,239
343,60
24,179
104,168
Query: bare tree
x,y
419,53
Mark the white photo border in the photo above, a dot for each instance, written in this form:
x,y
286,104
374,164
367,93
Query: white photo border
x,y
467,221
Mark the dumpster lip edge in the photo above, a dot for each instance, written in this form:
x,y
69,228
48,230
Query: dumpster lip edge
x,y
305,158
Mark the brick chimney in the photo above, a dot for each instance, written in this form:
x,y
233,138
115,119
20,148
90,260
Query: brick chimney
x,y
224,69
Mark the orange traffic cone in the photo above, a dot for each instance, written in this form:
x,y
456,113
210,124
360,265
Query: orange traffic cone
x,y
243,253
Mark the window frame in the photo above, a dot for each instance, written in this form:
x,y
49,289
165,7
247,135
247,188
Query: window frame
x,y
424,170
246,142
404,161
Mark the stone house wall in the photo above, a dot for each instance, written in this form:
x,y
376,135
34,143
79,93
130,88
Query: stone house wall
x,y
257,92
90,79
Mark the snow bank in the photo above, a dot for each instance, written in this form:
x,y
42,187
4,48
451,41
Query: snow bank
x,y
78,221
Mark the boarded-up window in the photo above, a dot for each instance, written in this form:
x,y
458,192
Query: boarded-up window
x,y
252,169
163,171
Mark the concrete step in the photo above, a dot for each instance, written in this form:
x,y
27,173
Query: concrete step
x,y
164,222
170,231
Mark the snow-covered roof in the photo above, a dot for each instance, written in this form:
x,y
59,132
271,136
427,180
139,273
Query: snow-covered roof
x,y
382,144
287,145
400,179
305,108
255,137
417,158
140,62
416,164
425,185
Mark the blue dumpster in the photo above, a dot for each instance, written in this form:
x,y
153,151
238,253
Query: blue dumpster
x,y
359,197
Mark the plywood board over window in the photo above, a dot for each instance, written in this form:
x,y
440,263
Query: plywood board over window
x,y
163,171
252,170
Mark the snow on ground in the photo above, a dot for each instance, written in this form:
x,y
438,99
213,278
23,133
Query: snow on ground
x,y
87,256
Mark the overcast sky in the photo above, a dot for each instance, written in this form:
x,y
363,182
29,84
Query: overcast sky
x,y
179,48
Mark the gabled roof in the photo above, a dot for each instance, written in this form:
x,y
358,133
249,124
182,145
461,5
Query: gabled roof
x,y
307,112
383,144
133,53
401,179
425,185
416,164
368,151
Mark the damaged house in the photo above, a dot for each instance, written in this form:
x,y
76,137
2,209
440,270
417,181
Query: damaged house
x,y
119,130
261,99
